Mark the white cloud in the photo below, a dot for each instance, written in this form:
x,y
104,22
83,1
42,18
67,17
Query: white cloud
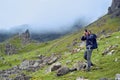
x,y
49,14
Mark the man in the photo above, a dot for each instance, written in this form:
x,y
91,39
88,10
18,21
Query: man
x,y
91,44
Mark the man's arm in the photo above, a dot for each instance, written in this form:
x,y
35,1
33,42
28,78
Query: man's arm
x,y
83,38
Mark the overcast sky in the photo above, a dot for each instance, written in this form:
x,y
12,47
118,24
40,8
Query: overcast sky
x,y
50,14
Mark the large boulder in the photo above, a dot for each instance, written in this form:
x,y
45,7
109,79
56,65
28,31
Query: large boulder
x,y
62,71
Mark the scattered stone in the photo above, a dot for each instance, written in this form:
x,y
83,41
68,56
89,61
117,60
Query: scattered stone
x,y
73,69
104,79
75,50
117,37
22,77
82,45
117,77
52,60
68,61
62,71
107,36
80,65
81,78
36,64
24,65
117,59
54,67
111,52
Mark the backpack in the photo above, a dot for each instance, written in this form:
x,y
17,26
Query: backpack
x,y
94,41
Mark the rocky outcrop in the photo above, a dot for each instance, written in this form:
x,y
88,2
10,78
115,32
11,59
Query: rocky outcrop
x,y
29,66
25,37
10,49
115,8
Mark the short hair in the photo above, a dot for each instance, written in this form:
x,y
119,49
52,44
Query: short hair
x,y
86,30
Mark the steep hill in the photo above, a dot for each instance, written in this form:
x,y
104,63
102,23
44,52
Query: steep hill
x,y
36,59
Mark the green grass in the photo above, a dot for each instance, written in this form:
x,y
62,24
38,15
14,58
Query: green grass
x,y
107,66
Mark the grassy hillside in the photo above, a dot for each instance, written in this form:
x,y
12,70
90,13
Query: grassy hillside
x,y
107,67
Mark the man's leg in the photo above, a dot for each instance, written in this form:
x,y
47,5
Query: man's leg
x,y
89,53
85,55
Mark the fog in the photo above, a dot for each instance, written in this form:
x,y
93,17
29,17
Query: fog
x,y
49,15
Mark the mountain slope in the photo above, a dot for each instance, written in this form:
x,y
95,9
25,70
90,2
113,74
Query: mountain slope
x,y
64,46
68,51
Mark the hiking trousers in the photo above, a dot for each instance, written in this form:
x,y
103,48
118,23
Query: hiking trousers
x,y
87,56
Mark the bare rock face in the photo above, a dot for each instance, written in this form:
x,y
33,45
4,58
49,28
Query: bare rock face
x,y
10,49
115,8
25,37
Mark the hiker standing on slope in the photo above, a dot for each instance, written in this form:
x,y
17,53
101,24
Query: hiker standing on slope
x,y
91,44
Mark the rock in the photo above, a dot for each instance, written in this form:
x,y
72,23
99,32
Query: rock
x,y
62,71
24,65
80,65
74,42
52,60
1,58
81,45
10,49
117,59
111,52
115,46
73,69
40,56
68,61
25,37
36,64
107,36
54,67
117,37
81,78
103,79
22,77
117,77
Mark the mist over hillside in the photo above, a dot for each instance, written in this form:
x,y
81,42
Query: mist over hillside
x,y
40,34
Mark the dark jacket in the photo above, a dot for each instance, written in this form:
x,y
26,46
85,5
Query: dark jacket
x,y
91,42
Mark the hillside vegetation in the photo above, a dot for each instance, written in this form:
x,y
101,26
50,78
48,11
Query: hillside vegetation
x,y
105,66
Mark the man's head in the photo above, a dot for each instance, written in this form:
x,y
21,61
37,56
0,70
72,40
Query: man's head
x,y
87,32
